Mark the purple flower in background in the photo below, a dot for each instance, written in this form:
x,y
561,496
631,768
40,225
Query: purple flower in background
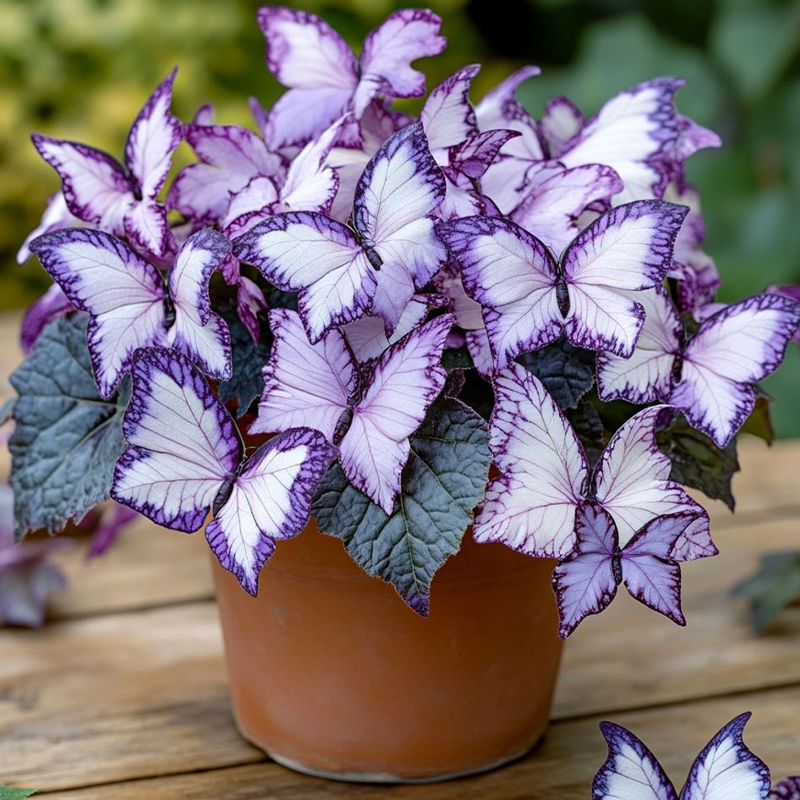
x,y
126,299
185,458
122,199
726,769
324,77
27,578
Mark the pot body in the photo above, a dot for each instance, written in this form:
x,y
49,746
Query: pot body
x,y
332,674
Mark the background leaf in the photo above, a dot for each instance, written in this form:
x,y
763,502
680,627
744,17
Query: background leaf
x,y
442,482
247,360
15,792
698,462
774,586
66,438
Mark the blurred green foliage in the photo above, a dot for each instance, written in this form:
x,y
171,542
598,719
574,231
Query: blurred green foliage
x,y
80,69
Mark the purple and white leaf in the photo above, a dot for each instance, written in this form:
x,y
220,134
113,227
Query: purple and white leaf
x,y
448,116
627,249
269,502
122,293
631,482
513,277
551,209
787,789
727,768
631,770
560,122
531,506
56,215
198,332
404,382
736,347
52,304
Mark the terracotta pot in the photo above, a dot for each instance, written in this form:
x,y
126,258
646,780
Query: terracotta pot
x,y
333,675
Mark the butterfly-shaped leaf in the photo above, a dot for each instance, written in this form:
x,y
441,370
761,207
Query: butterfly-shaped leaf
x,y
230,157
529,299
320,386
324,77
185,458
554,201
586,581
726,769
545,478
122,199
310,184
710,378
636,133
392,248
129,305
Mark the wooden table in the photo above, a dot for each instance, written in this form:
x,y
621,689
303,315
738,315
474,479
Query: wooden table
x,y
123,695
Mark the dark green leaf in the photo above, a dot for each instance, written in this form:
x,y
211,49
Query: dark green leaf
x,y
477,393
443,481
774,586
15,792
66,437
567,372
589,427
759,423
698,462
456,358
247,360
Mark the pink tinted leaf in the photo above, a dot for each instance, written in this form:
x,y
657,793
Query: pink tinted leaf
x,y
551,209
305,385
388,52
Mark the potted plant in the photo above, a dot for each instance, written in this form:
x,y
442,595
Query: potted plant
x,y
480,350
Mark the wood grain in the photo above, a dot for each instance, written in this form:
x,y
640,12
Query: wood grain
x,y
560,769
139,694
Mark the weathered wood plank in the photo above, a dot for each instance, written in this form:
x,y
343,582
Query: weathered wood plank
x,y
560,769
133,695
148,566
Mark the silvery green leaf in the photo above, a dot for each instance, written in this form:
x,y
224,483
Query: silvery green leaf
x,y
442,482
66,438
